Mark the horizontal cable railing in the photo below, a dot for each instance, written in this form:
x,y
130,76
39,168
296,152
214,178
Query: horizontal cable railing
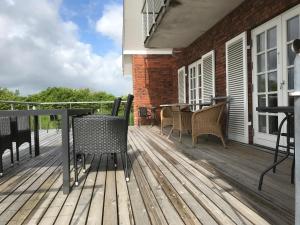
x,y
99,107
150,11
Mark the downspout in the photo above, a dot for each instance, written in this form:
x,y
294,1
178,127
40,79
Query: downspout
x,y
296,94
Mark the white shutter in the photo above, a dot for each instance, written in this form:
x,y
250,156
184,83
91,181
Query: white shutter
x,y
208,76
237,88
181,85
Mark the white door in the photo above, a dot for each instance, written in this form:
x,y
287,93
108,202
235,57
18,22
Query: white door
x,y
181,85
272,72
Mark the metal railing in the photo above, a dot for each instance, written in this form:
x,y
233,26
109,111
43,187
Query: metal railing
x,y
150,12
99,107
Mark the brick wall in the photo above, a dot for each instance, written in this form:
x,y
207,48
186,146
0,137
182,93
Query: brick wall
x,y
155,77
154,81
245,17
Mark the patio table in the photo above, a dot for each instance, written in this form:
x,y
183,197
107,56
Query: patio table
x,y
289,114
65,114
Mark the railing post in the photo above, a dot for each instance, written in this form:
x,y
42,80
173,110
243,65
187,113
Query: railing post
x,y
153,11
296,94
147,13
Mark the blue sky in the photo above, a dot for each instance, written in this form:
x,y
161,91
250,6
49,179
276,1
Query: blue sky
x,y
66,43
85,14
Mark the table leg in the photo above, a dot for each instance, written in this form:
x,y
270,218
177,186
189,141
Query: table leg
x,y
36,136
66,152
288,118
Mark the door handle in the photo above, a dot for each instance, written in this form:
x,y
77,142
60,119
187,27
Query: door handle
x,y
281,84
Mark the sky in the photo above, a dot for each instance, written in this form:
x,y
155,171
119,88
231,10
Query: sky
x,y
63,43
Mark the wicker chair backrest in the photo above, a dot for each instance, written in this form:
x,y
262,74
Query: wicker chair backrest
x,y
128,108
23,123
167,112
5,126
116,106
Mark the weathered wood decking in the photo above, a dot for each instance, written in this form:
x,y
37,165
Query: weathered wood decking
x,y
169,183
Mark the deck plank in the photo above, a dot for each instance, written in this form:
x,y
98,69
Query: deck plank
x,y
110,210
170,183
67,211
218,185
96,208
83,205
124,207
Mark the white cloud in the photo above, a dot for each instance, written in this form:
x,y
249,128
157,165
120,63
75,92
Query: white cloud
x,y
111,22
38,50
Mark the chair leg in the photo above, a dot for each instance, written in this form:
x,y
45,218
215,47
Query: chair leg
x,y
193,141
17,151
115,160
1,166
293,170
30,148
11,156
83,162
223,141
126,167
75,168
180,136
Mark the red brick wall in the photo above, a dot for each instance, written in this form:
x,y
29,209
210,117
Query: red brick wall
x,y
245,17
154,81
155,77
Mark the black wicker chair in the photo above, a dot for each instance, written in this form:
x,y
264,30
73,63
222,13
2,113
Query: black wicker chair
x,y
116,106
56,120
101,135
5,140
21,133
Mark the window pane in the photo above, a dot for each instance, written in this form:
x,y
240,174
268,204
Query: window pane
x,y
199,69
262,101
271,38
260,40
293,28
261,63
273,125
272,60
199,81
272,100
272,81
291,55
200,94
261,83
262,123
291,78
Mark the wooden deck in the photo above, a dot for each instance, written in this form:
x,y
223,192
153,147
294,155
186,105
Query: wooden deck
x,y
170,183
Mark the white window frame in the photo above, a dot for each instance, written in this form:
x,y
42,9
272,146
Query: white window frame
x,y
194,64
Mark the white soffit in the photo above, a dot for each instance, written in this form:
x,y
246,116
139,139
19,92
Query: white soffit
x,y
186,20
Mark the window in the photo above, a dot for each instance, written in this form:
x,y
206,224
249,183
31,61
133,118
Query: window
x,y
202,80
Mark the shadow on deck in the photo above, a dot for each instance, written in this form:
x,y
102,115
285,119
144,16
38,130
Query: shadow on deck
x,y
170,183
